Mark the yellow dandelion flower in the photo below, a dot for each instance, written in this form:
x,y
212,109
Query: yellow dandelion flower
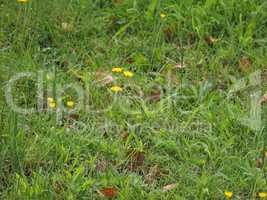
x,y
162,15
50,100
116,89
117,69
22,1
70,104
52,104
265,154
128,74
228,194
262,195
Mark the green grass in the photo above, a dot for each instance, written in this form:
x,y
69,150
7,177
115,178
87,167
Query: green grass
x,y
191,134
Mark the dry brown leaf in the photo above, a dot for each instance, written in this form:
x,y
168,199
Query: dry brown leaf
x,y
137,160
259,162
154,171
179,66
245,64
108,79
130,60
210,40
104,78
101,166
74,117
169,187
264,98
125,135
155,96
108,192
70,127
57,186
168,33
191,38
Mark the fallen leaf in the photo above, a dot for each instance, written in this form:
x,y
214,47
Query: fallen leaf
x,y
179,66
125,135
99,74
28,169
259,162
154,171
108,79
101,166
245,64
57,186
169,187
191,38
130,60
137,160
104,78
155,96
169,33
70,127
74,117
109,192
210,40
264,98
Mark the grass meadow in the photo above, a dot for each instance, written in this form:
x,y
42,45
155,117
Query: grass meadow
x,y
133,99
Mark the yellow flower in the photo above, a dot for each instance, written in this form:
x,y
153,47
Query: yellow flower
x,y
265,154
50,100
228,194
128,74
52,104
262,194
70,104
116,89
117,69
162,15
22,1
